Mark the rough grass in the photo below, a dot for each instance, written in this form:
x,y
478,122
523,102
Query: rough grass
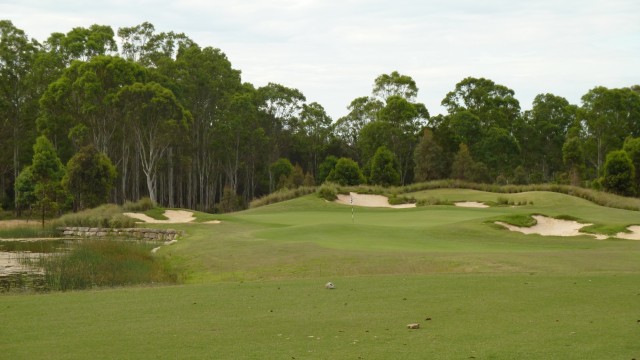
x,y
107,216
103,263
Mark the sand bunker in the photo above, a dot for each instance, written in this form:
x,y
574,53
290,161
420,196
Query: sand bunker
x,y
173,217
471,204
369,201
634,235
547,226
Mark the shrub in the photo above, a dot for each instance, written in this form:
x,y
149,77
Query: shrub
x,y
281,195
328,191
346,172
109,215
141,205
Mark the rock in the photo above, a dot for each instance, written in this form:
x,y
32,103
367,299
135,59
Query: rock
x,y
413,326
329,285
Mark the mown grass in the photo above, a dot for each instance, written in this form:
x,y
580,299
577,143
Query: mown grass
x,y
254,288
517,316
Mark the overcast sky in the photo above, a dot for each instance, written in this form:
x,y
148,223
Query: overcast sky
x,y
332,50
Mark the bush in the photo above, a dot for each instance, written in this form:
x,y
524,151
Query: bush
x,y
101,263
107,216
141,205
282,195
328,191
346,172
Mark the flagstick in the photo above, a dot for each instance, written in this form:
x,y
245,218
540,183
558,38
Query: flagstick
x,y
352,218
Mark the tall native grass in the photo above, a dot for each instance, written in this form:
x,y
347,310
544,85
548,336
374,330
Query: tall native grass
x,y
104,263
282,195
107,216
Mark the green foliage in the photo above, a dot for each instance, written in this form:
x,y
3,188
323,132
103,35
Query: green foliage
x,y
573,157
632,148
25,188
230,201
346,172
328,191
462,167
384,168
429,158
141,205
282,195
619,174
326,167
104,263
280,170
108,216
89,178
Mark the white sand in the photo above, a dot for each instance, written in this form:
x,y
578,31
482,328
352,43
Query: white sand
x,y
547,226
369,201
634,235
471,204
173,217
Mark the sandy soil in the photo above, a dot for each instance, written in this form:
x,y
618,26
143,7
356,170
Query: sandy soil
x,y
471,204
634,235
547,226
369,201
173,217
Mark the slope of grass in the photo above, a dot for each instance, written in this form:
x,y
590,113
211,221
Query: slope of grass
x,y
255,289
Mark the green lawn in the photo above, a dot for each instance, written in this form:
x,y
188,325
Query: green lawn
x,y
254,289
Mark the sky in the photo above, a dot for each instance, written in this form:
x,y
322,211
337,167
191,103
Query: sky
x,y
332,50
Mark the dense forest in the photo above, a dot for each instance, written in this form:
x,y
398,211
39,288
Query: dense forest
x,y
94,115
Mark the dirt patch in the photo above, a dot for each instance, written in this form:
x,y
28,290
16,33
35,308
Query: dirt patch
x,y
471,204
369,201
547,226
634,235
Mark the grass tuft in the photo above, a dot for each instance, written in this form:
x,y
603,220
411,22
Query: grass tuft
x,y
107,216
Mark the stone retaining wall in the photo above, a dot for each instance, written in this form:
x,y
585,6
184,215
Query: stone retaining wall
x,y
140,233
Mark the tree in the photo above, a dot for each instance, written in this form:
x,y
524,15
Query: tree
x,y
543,131
632,148
395,84
573,158
281,169
429,158
463,164
362,111
326,167
156,119
619,174
47,171
316,125
346,172
609,115
17,96
384,168
89,178
493,104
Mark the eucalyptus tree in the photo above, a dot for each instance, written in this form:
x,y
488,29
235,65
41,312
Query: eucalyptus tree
x,y
281,107
156,119
543,132
486,115
395,84
78,109
609,115
17,96
316,128
141,43
206,82
362,111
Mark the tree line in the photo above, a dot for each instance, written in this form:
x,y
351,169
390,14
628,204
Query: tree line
x,y
94,115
